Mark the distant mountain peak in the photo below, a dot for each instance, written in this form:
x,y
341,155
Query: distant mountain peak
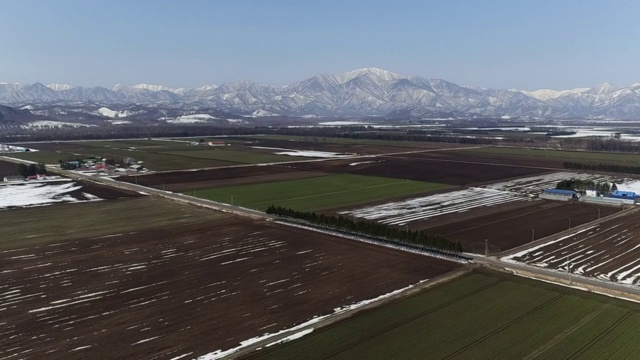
x,y
368,91
59,87
152,87
380,73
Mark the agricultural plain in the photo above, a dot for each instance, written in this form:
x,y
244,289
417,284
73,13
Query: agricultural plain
x,y
318,193
149,278
608,251
484,315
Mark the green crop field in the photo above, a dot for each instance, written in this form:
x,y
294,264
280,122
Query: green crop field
x,y
41,225
483,315
575,156
318,193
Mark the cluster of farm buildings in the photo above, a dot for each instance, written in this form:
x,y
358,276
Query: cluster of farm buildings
x,y
16,178
103,165
616,197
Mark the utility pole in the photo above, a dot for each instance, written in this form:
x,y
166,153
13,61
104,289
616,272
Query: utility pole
x,y
486,247
533,234
598,213
568,270
569,223
231,199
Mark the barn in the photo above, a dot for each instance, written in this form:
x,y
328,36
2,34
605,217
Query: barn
x,y
558,194
626,197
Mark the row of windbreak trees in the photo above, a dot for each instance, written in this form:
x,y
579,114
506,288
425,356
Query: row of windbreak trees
x,y
582,185
373,229
32,169
603,167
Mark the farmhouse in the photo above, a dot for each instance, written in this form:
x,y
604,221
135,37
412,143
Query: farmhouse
x,y
558,194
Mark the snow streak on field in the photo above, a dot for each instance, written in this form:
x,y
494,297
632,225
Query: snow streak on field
x,y
404,212
186,290
304,153
534,185
607,251
34,194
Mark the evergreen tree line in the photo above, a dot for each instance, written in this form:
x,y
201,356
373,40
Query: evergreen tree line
x,y
603,167
581,185
374,229
31,169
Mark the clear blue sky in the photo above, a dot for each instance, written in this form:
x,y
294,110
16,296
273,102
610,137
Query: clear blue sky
x,y
492,43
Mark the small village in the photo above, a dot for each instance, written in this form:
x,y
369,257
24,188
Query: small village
x,y
104,166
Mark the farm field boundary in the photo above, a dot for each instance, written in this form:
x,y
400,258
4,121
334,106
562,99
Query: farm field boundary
x,y
606,251
622,158
378,241
318,193
469,326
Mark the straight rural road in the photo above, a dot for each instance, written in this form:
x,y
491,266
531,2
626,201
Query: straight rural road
x,y
560,276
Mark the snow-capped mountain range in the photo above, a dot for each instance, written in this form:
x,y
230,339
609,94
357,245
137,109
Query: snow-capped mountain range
x,y
362,92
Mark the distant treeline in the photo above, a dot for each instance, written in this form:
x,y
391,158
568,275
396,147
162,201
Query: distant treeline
x,y
15,134
370,133
612,145
374,229
602,167
120,132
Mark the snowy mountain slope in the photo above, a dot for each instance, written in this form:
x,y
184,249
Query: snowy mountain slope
x,y
362,92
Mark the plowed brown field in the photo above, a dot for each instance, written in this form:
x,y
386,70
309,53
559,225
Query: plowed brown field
x,y
185,290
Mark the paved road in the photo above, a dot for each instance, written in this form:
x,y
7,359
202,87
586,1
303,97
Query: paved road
x,y
576,280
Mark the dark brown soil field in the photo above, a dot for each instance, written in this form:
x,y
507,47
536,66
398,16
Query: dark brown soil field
x,y
106,192
53,146
608,251
464,157
362,149
180,181
430,170
7,169
185,290
512,227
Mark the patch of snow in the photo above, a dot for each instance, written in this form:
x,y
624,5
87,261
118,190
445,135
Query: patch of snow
x,y
510,258
263,113
189,119
630,185
343,123
59,87
218,354
119,122
53,124
363,162
295,336
417,209
34,194
105,111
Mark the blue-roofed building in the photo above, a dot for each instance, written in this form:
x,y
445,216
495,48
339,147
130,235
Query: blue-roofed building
x,y
626,197
558,194
624,194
